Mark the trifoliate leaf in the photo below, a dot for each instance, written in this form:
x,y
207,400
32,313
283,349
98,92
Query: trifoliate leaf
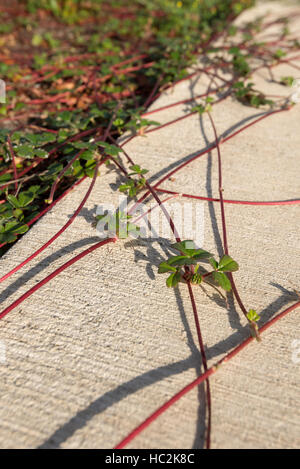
x,y
173,279
165,267
222,280
227,264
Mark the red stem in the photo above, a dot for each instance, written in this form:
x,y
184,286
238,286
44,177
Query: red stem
x,y
200,380
71,219
204,361
54,274
63,171
174,230
224,229
207,150
225,242
12,154
51,240
227,201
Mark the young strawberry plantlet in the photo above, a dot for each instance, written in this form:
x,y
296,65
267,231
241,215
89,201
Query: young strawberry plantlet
x,y
287,81
253,317
108,149
138,124
189,259
240,65
247,95
119,124
226,264
65,155
202,108
133,186
278,54
117,224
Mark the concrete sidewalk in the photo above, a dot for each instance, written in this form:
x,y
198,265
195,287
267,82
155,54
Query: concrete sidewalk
x,y
91,354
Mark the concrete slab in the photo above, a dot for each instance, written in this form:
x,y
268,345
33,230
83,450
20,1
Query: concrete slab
x,y
96,350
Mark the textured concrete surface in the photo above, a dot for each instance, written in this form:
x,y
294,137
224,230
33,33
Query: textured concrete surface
x,y
96,350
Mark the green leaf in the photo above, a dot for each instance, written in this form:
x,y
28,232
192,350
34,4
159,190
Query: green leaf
x,y
173,279
32,138
10,230
288,81
5,178
34,190
37,40
25,151
25,198
118,122
41,153
199,108
181,260
187,247
18,213
253,316
87,155
132,191
111,150
213,263
222,280
124,187
137,169
200,254
7,238
227,264
165,267
63,134
90,167
21,229
279,53
13,201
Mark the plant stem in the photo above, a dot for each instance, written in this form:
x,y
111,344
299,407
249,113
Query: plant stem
x,y
226,201
204,361
54,274
200,379
224,229
12,154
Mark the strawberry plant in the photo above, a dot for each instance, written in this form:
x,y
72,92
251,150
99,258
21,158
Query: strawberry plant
x,y
118,224
133,185
71,106
246,94
10,230
188,260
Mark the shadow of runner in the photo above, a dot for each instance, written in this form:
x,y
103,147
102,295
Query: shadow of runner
x,y
153,376
112,397
154,255
13,287
226,133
